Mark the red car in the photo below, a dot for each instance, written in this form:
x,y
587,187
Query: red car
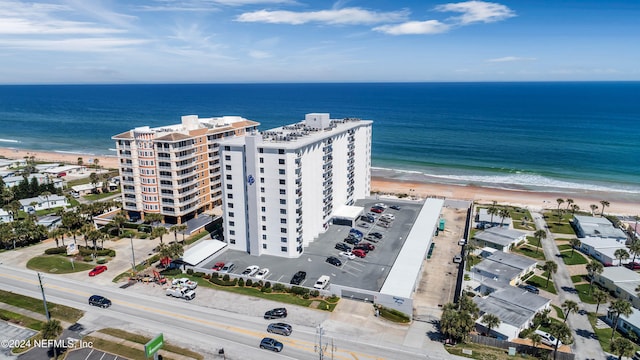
x,y
376,210
633,265
359,253
218,266
366,246
98,270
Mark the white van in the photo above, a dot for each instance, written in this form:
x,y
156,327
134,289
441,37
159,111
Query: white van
x,y
548,339
322,282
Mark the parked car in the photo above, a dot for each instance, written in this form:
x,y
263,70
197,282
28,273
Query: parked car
x,y
185,282
394,207
99,301
548,339
356,232
376,235
377,210
271,344
322,282
263,273
298,278
251,270
531,289
368,219
276,313
343,247
280,329
462,242
633,265
349,255
366,245
334,261
98,270
371,239
351,240
359,253
381,205
388,216
181,292
218,266
227,268
457,259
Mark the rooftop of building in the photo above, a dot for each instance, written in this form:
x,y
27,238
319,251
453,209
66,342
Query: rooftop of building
x,y
598,227
513,306
189,124
499,235
512,260
603,243
619,274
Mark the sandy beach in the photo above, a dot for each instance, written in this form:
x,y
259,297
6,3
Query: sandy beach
x,y
531,200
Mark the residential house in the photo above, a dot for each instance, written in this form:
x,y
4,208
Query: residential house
x,y
43,203
621,282
597,227
11,181
603,250
64,170
626,324
499,238
500,270
6,164
5,216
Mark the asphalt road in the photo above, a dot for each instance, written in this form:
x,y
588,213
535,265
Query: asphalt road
x,y
205,329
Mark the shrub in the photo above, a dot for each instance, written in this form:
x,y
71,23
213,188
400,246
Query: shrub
x,y
207,276
87,258
220,282
333,298
215,275
56,250
225,277
198,274
314,293
143,235
266,290
267,285
279,287
171,272
189,271
241,282
305,296
101,261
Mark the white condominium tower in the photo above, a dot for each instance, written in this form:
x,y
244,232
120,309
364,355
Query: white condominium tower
x,y
175,170
282,186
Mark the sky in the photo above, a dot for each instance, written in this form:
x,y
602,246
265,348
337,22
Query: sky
x,y
257,41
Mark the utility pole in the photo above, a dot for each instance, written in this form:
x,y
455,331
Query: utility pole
x,y
133,256
44,299
319,347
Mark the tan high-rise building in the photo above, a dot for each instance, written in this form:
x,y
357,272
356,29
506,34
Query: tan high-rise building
x,y
175,170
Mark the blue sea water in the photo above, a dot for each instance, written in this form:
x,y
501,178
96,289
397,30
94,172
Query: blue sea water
x,y
565,137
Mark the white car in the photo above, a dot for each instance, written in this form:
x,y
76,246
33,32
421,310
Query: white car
x,y
262,273
388,216
349,255
251,270
185,283
382,205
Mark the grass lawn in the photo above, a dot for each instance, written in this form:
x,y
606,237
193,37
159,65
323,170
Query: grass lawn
x,y
140,339
57,264
96,197
533,241
472,261
540,283
576,259
560,228
579,278
57,311
116,348
604,335
564,247
21,320
559,312
530,252
585,294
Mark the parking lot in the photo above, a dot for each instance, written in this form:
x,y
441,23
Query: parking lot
x,y
367,273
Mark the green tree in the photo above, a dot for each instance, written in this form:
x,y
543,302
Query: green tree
x,y
561,332
569,203
550,267
604,204
621,254
153,218
594,267
600,297
51,329
118,221
569,306
634,248
560,202
176,229
622,347
574,209
539,234
536,339
490,321
172,251
619,307
503,213
593,208
159,231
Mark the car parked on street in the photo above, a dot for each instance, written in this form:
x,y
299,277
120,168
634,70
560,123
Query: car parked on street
x,y
99,301
98,270
342,247
334,261
457,259
298,277
251,270
280,329
271,344
276,313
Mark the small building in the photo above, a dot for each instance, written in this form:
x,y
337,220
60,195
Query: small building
x,y
603,250
485,220
12,181
43,203
347,215
60,171
626,324
86,189
500,270
5,216
620,282
514,307
499,238
6,164
50,221
597,227
203,251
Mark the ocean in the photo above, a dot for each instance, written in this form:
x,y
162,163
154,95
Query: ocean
x,y
565,137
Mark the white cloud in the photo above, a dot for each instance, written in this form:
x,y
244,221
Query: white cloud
x,y
511,59
414,28
204,5
259,54
335,16
71,45
477,11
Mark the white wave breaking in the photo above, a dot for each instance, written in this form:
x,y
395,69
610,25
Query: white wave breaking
x,y
10,141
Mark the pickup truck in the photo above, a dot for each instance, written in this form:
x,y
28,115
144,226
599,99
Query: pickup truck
x,y
181,292
184,282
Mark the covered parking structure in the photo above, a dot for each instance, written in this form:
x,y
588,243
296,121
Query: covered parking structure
x,y
201,252
347,215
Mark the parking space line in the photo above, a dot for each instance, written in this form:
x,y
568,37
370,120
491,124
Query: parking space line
x,y
91,352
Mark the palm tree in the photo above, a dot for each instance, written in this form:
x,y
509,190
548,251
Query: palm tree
x,y
535,339
176,229
118,221
490,321
80,161
159,231
599,297
574,208
153,218
619,307
569,307
550,267
562,332
539,234
560,202
492,211
84,231
46,195
575,243
604,204
593,207
621,254
634,248
594,267
503,213
51,329
569,203
622,347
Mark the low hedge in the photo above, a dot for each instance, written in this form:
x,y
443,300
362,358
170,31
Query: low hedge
x,y
223,282
56,250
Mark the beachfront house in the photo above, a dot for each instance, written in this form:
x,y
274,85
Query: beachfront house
x,y
603,250
6,164
485,220
499,238
626,324
620,282
5,216
60,171
33,204
596,227
500,270
514,307
12,181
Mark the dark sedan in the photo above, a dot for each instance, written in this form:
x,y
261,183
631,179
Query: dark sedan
x,y
276,313
298,278
271,344
334,261
343,247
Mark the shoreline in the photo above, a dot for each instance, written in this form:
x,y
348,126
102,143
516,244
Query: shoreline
x,y
533,200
